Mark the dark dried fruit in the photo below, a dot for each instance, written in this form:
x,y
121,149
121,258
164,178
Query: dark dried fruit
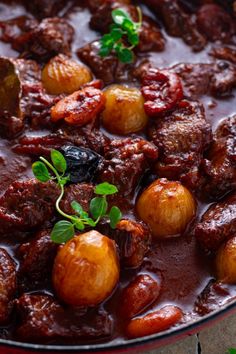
x,y
161,90
82,163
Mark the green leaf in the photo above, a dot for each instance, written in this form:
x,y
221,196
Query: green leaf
x,y
107,41
58,161
116,34
133,39
98,207
232,351
79,224
126,56
104,52
105,188
41,172
115,216
90,222
77,207
119,15
62,232
128,26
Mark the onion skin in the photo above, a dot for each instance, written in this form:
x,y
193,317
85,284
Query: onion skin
x,y
226,262
86,270
167,207
124,111
64,75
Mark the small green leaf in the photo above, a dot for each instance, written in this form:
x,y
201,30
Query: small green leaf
x,y
59,161
79,224
116,34
107,41
77,207
104,52
62,232
105,188
90,222
133,39
128,26
126,56
40,171
232,351
119,15
115,216
98,207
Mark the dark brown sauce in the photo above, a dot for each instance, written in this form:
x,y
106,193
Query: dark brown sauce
x,y
183,267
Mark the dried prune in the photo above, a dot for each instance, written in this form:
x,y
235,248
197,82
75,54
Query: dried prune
x,y
82,163
161,90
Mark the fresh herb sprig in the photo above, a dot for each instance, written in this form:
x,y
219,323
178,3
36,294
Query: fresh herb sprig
x,y
64,230
232,351
123,36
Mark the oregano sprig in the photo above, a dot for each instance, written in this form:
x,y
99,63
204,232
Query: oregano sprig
x,y
123,36
64,230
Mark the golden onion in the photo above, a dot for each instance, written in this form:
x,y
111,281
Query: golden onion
x,y
167,207
64,75
226,262
124,111
86,269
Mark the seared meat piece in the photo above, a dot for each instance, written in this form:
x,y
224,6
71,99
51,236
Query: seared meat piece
x,y
27,205
82,193
224,53
215,23
126,161
133,239
218,224
181,136
94,5
220,165
36,261
88,137
217,79
151,38
177,22
44,319
38,40
7,285
108,69
45,8
211,298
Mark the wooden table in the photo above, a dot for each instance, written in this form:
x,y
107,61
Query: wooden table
x,y
215,340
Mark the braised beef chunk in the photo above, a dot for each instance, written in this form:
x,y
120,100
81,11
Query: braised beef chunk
x,y
177,22
217,79
125,162
108,69
215,23
44,319
27,205
211,298
218,224
82,193
7,285
220,165
224,53
133,239
45,8
36,261
181,136
94,5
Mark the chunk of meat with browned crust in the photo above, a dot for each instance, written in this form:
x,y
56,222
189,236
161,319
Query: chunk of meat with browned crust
x,y
126,161
82,193
215,23
178,23
39,41
88,136
181,136
213,296
36,261
133,239
150,39
45,8
7,285
224,53
220,164
217,79
44,319
27,205
108,69
218,224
